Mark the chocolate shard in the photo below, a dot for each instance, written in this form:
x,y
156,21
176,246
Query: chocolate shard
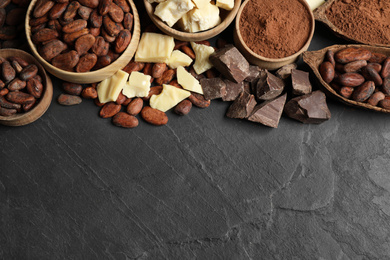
x,y
268,86
269,112
254,73
300,82
285,71
213,88
247,87
309,109
230,62
232,90
242,107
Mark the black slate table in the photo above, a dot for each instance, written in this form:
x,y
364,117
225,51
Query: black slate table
x,y
73,186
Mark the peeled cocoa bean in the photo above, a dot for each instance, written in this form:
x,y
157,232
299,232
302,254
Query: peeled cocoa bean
x,y
44,35
86,62
327,71
28,72
16,84
351,79
34,87
370,74
135,106
110,109
154,116
52,49
75,26
66,61
386,68
111,27
72,88
84,43
364,91
8,72
116,13
42,7
57,10
183,108
6,104
375,98
352,54
69,100
7,111
125,120
122,41
19,97
90,3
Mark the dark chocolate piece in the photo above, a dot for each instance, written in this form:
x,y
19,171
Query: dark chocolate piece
x,y
269,112
309,109
285,71
230,62
213,88
254,73
232,90
269,86
242,107
300,82
247,87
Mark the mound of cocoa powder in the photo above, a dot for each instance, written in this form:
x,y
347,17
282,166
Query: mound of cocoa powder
x,y
275,28
364,20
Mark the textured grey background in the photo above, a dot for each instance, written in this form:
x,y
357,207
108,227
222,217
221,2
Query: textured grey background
x,y
73,186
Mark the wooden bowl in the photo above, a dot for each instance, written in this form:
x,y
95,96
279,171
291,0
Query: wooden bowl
x,y
320,15
40,108
93,76
315,58
264,62
226,16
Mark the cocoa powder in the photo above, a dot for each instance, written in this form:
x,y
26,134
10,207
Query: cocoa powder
x,y
364,20
275,28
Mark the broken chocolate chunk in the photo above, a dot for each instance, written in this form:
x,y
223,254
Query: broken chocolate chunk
x,y
230,62
213,88
300,82
285,71
309,109
268,86
242,107
232,90
269,112
254,73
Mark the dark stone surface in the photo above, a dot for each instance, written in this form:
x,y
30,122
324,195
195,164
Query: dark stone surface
x,y
73,186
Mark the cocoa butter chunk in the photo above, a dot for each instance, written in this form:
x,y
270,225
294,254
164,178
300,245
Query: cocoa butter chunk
x,y
268,86
230,62
309,109
232,90
254,73
300,82
213,88
285,71
269,112
242,107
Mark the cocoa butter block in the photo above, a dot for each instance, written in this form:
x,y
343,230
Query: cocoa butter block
x,y
213,88
254,73
300,82
269,112
309,109
268,86
230,62
242,107
285,71
232,90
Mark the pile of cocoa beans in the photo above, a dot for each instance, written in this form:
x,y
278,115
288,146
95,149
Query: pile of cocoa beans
x,y
20,86
125,110
82,35
358,74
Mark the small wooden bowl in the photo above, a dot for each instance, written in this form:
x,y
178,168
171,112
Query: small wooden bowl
x,y
264,62
40,108
320,15
315,58
93,76
226,16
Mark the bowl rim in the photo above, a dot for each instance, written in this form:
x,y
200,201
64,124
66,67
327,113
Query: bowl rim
x,y
134,40
287,58
47,94
203,35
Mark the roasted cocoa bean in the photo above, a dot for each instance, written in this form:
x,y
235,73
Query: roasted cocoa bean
x,y
116,13
89,93
28,72
352,54
386,68
71,11
7,111
52,49
364,91
21,61
68,100
121,99
158,70
95,31
4,3
377,57
187,50
42,7
104,6
97,102
183,108
346,92
128,21
39,21
96,19
111,27
375,98
376,66
28,107
122,41
100,47
198,100
86,62
370,74
167,77
84,12
6,104
135,106
125,120
106,36
386,85
110,109
8,72
148,70
66,61
351,79
44,35
133,66
75,26
16,66
84,43
154,116
102,62
19,97
124,5
329,55
384,103
57,10
355,65
16,84
179,44
72,88
90,3
69,38
156,90
34,87
8,33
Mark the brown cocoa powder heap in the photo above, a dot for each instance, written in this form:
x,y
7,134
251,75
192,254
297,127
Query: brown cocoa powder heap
x,y
275,28
366,21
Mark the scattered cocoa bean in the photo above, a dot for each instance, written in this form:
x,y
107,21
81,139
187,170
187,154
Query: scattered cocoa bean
x,y
183,108
69,100
72,88
153,91
89,93
167,77
154,116
121,99
109,109
158,70
187,50
135,106
133,66
198,100
125,120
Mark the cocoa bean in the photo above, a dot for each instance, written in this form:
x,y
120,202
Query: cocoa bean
x,y
386,85
111,27
133,66
166,77
384,103
69,100
187,50
135,106
377,58
84,43
106,36
4,3
96,19
127,102
44,35
16,66
154,116
100,47
355,65
370,74
72,88
124,5
54,25
116,13
2,84
97,102
329,55
52,49
84,12
66,61
28,107
95,31
125,120
21,61
7,111
352,54
364,91
156,90
104,6
183,108
128,21
71,11
386,68
179,44
102,62
375,98
121,99
16,84
122,41
42,7
34,87
112,55
89,93
4,91
39,21
110,109
90,3
75,26
8,72
28,72
6,104
351,79
57,10
346,92
19,97
375,66
158,70
86,62
8,33
71,37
